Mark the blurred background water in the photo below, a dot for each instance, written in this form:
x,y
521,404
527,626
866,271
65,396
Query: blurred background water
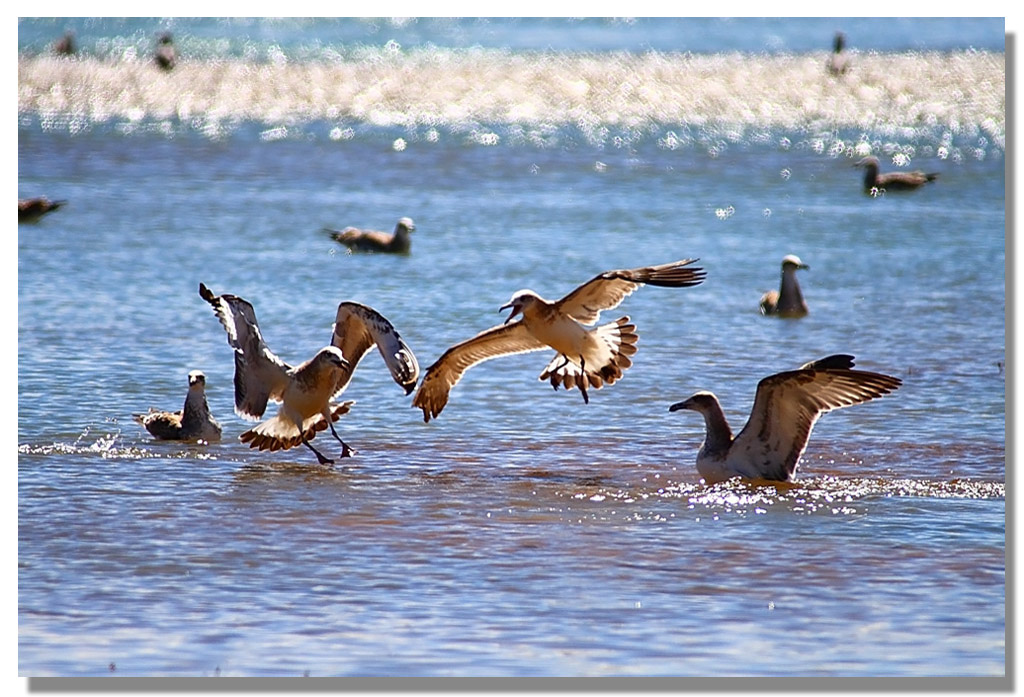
x,y
521,533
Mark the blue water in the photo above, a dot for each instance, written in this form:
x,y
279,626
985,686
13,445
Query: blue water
x,y
522,532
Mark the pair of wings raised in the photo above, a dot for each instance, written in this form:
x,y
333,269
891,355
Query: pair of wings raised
x,y
605,291
788,404
261,376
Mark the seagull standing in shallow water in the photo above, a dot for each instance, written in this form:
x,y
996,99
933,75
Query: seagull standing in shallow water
x,y
875,183
786,407
193,422
787,301
398,242
307,390
584,357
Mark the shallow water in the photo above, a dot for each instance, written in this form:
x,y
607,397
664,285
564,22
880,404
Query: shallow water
x,y
521,533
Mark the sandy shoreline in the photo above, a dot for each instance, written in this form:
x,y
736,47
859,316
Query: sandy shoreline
x,y
911,90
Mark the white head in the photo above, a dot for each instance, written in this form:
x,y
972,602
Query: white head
x,y
331,356
521,299
792,261
196,380
405,223
702,402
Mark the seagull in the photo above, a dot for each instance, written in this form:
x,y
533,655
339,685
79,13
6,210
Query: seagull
x,y
193,422
875,183
32,209
358,240
305,391
787,301
165,55
786,407
583,357
838,62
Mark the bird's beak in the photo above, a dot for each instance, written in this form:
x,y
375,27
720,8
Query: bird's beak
x,y
685,404
803,266
515,311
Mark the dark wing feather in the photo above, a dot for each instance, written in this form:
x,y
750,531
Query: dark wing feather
x,y
259,374
788,404
607,290
357,329
503,340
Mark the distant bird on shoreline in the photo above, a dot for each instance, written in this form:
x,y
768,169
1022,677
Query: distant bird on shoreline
x,y
65,45
193,422
839,61
876,183
788,300
306,391
786,407
583,357
32,209
397,242
165,56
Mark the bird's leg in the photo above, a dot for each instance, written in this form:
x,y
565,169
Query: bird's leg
x,y
582,382
346,451
319,456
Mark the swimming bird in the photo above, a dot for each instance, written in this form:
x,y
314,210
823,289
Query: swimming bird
x,y
193,422
787,301
306,391
165,56
32,209
583,357
838,62
875,183
786,407
398,242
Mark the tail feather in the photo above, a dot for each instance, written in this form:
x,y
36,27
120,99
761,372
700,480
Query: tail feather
x,y
279,433
618,340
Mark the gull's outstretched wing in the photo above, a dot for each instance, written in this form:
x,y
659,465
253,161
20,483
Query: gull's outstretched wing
x,y
497,341
357,329
788,404
259,374
605,291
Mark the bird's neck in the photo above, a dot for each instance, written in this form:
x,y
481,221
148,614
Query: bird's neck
x,y
718,436
870,176
790,296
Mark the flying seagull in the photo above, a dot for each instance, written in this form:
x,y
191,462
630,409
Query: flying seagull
x,y
358,240
305,391
583,357
786,407
787,301
875,183
193,422
32,209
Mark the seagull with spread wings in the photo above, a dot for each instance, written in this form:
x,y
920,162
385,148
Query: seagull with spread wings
x,y
306,391
193,423
786,407
583,357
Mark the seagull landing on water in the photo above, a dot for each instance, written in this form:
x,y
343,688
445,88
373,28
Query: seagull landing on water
x,y
398,242
787,301
583,357
786,407
193,422
305,391
875,183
